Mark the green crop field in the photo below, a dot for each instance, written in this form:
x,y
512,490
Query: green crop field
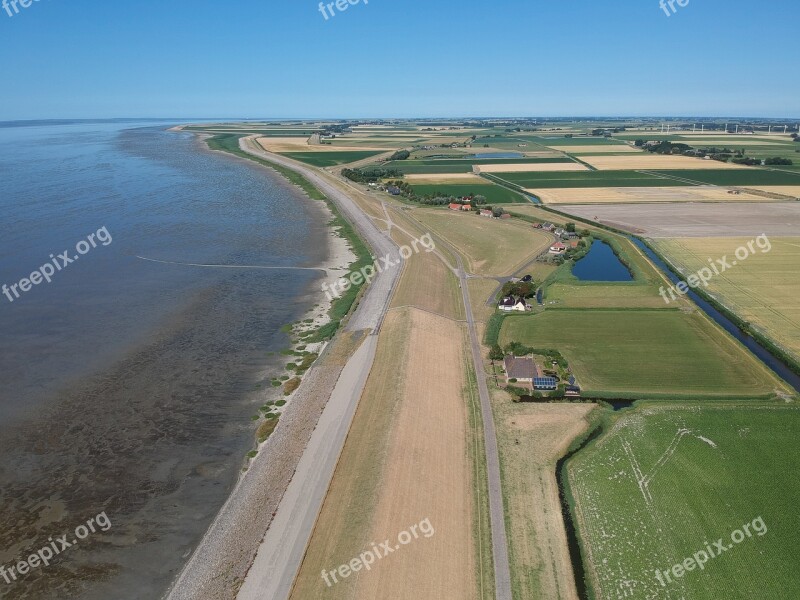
x,y
667,482
494,194
454,165
575,141
642,353
329,159
586,179
739,177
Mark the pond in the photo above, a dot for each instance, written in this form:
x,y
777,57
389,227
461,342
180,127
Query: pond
x,y
489,155
601,264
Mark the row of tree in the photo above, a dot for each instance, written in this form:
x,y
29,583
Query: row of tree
x,y
371,175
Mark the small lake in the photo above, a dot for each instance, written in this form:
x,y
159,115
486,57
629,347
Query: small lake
x,y
490,155
601,264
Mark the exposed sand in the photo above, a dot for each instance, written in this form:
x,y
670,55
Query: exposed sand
x,y
596,149
531,167
606,195
655,161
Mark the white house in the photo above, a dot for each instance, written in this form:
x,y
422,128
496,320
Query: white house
x,y
511,304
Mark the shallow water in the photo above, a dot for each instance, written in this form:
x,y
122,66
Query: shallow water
x,y
127,386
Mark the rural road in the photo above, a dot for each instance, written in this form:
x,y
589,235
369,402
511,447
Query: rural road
x,y
281,552
502,568
497,519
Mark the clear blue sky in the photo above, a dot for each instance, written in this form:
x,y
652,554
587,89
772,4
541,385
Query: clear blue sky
x,y
399,58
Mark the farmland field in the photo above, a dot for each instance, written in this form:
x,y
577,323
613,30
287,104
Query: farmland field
x,y
528,167
737,177
643,353
491,246
678,220
588,179
763,290
575,141
645,160
531,438
461,165
622,195
666,482
330,159
495,194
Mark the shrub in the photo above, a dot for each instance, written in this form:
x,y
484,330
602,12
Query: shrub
x,y
290,386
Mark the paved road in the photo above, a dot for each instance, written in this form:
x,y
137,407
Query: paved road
x,y
281,553
502,569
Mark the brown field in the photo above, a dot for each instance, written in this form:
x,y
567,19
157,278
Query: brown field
x,y
428,474
746,140
532,437
696,220
429,285
445,178
490,246
597,149
734,139
605,195
655,161
480,289
412,420
295,144
764,289
530,167
788,190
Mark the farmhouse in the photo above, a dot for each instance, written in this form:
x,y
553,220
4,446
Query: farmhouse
x,y
454,206
393,190
558,248
485,213
548,227
511,304
524,370
466,207
505,215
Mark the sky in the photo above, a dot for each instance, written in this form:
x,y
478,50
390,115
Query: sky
x,y
398,58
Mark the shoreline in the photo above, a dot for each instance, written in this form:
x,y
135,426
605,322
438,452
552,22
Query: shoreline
x,y
219,563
